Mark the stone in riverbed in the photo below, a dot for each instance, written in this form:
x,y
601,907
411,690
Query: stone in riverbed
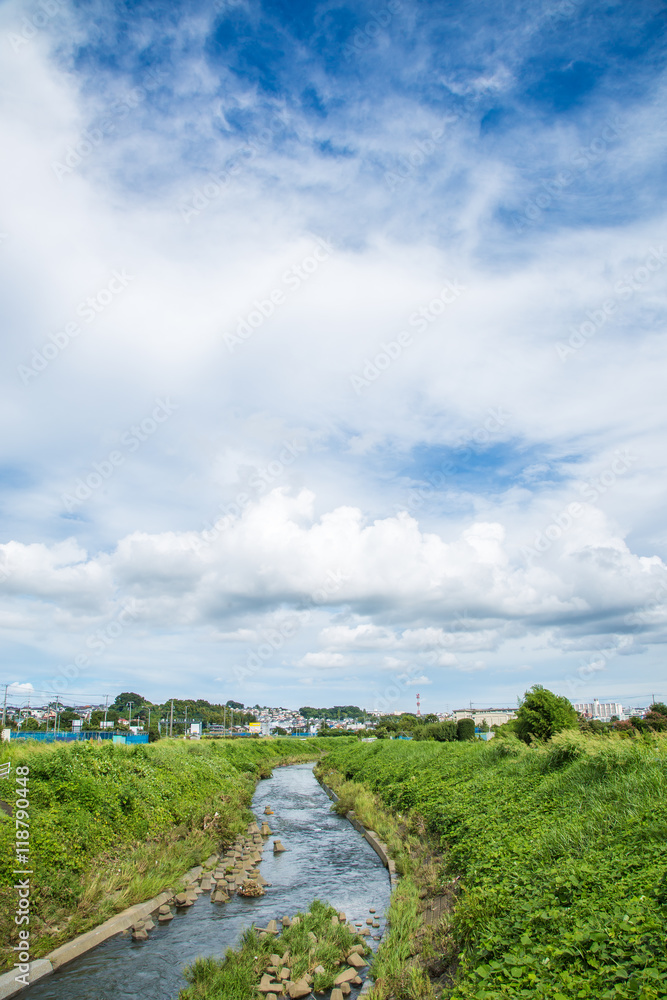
x,y
266,830
342,917
345,989
356,961
278,847
346,976
336,994
299,989
165,908
140,935
164,918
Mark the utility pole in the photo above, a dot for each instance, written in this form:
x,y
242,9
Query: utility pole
x,y
4,708
171,719
149,720
129,705
224,720
106,709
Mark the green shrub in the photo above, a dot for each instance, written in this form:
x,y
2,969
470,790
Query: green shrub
x,y
465,729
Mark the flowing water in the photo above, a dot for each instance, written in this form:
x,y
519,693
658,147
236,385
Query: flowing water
x,y
325,858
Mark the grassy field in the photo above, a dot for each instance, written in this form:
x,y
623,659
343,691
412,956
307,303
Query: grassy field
x,y
114,825
560,851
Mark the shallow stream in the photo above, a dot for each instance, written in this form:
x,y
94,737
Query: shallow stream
x,y
325,858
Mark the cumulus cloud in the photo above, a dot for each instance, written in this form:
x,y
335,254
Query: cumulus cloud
x,y
424,512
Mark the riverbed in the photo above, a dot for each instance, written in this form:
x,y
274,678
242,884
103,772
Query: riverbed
x,y
325,858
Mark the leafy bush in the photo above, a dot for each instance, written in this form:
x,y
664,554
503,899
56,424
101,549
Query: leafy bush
x,y
465,729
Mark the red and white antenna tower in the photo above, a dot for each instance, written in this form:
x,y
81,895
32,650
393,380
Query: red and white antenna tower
x,y
419,711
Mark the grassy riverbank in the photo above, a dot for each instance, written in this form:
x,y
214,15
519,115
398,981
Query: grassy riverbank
x,y
561,850
412,950
114,825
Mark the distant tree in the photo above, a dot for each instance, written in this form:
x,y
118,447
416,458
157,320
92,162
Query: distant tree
x,y
652,720
66,718
542,713
279,731
30,725
236,705
484,728
658,707
465,729
121,701
430,718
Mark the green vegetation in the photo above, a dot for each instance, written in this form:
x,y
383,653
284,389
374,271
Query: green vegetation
x,y
337,712
112,825
465,729
237,975
443,732
542,714
561,849
410,952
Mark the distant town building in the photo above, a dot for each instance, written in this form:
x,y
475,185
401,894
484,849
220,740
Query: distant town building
x,y
492,716
597,709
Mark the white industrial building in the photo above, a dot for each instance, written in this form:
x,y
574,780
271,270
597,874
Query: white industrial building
x,y
597,709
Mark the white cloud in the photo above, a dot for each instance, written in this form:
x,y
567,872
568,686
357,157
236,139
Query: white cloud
x,y
452,581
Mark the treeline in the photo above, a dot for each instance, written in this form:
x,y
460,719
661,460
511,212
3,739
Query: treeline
x,y
337,712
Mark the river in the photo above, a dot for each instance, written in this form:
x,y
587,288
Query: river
x,y
325,858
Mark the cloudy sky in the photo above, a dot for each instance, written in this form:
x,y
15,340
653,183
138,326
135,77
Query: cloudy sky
x,y
334,356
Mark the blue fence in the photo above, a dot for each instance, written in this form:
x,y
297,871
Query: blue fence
x,y
72,737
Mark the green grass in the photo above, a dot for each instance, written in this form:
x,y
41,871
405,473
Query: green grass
x,y
561,850
237,975
113,825
399,967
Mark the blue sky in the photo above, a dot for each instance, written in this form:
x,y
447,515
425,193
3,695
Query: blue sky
x,y
334,350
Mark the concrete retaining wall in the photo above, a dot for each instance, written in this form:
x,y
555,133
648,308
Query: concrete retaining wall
x,y
86,942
